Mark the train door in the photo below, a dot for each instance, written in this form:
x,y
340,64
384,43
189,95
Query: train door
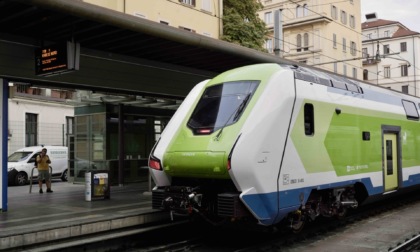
x,y
390,161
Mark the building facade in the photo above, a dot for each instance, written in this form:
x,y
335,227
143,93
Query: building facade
x,y
391,54
198,16
326,34
39,116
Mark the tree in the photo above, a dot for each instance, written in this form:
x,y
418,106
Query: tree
x,y
241,24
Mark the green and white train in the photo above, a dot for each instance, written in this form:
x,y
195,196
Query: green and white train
x,y
273,143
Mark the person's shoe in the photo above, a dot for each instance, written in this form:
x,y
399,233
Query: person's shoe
x,y
49,190
40,191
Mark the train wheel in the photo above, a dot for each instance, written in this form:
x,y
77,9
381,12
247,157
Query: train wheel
x,y
341,212
297,222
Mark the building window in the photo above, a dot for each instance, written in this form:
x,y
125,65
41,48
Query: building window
x,y
305,10
386,34
354,73
352,22
343,17
335,67
344,45
31,129
365,53
268,17
69,129
269,45
404,89
403,46
353,48
386,49
302,11
299,11
369,36
187,29
206,5
159,127
387,72
335,40
70,125
306,42
365,74
404,70
334,12
299,42
344,69
189,2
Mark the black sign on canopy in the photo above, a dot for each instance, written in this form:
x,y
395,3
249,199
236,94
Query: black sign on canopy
x,y
57,59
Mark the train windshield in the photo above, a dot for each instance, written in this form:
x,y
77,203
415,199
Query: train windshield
x,y
221,105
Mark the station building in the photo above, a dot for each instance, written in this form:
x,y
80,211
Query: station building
x,y
123,79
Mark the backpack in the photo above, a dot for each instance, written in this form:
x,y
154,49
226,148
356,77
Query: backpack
x,y
36,163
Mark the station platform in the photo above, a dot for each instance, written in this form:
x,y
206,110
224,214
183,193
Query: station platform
x,y
35,218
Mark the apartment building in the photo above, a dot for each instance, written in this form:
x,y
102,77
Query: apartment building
x,y
323,33
198,16
39,115
391,54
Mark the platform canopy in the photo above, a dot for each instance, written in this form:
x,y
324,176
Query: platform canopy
x,y
118,51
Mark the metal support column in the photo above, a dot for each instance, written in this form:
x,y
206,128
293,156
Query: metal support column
x,y
121,151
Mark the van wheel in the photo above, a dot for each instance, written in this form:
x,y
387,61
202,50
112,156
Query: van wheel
x,y
64,176
21,179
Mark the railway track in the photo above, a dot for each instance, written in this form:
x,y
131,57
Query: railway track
x,y
183,235
409,245
223,239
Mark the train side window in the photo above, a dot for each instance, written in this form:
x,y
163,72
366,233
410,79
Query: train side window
x,y
309,119
410,110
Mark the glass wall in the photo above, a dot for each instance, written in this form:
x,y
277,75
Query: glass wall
x,y
97,145
89,142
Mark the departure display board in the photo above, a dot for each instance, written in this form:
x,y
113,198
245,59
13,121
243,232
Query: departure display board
x,y
57,59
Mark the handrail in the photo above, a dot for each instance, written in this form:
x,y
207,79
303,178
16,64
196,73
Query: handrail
x,y
32,174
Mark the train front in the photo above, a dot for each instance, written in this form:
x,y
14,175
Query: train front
x,y
191,161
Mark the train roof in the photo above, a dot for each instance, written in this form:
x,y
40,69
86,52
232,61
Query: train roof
x,y
319,76
324,78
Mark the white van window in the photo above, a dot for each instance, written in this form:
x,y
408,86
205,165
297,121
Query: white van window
x,y
19,156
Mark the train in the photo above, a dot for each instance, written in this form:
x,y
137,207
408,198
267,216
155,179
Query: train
x,y
282,144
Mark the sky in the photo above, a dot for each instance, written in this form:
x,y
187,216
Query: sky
x,y
404,11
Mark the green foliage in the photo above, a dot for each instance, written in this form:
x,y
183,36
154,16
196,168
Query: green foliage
x,y
241,24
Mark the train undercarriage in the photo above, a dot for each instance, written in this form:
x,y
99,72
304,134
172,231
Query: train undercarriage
x,y
327,203
223,206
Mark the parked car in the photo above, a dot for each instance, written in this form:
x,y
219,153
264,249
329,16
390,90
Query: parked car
x,y
21,163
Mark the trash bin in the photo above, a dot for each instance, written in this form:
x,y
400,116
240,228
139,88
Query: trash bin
x,y
97,185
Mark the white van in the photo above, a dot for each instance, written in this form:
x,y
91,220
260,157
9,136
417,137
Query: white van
x,y
22,161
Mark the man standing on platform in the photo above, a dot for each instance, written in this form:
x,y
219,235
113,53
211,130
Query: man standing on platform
x,y
43,162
